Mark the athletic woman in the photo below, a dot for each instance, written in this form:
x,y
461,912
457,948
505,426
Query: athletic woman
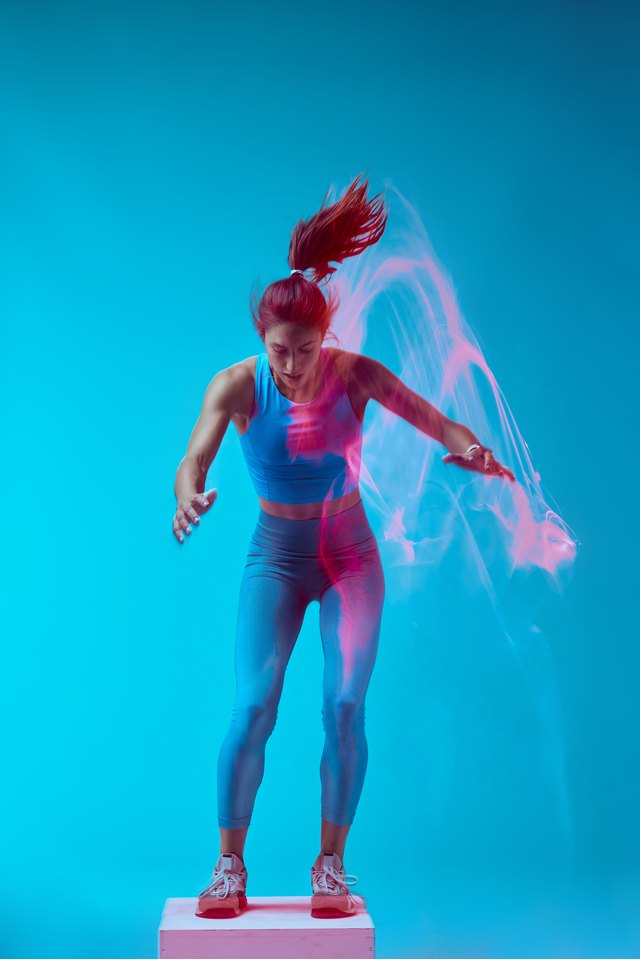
x,y
298,408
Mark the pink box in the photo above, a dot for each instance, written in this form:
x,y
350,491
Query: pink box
x,y
269,927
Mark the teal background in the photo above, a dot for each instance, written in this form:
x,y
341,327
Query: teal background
x,y
153,160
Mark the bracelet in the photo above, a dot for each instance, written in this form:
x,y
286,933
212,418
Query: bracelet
x,y
470,448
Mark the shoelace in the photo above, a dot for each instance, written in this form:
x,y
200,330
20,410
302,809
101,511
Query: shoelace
x,y
334,881
230,883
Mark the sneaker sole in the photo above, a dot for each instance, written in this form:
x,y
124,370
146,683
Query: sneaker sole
x,y
331,905
216,907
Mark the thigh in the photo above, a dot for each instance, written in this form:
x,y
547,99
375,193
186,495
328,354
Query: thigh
x,y
270,614
350,617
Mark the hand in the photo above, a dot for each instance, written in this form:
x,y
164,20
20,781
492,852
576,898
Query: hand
x,y
480,459
192,509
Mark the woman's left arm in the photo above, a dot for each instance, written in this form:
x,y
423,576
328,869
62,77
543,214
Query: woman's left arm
x,y
378,383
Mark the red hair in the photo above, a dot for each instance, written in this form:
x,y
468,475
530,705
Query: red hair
x,y
343,229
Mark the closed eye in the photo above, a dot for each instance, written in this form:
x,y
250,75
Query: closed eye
x,y
305,352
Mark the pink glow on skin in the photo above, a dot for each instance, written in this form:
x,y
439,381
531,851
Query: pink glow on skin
x,y
307,433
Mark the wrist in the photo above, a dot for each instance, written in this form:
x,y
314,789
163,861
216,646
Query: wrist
x,y
470,449
189,480
457,438
185,495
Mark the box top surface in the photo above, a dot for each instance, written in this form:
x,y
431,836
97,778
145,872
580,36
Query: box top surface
x,y
261,913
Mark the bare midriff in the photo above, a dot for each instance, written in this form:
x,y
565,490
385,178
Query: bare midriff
x,y
308,511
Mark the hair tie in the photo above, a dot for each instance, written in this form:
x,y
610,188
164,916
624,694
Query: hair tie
x,y
296,271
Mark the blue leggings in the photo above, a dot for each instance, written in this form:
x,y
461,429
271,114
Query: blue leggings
x,y
336,561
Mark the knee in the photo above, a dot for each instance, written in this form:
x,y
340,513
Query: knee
x,y
254,722
343,716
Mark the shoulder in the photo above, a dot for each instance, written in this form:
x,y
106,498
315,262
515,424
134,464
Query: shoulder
x,y
349,359
232,387
347,363
358,370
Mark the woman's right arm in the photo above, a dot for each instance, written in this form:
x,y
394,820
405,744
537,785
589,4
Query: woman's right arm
x,y
221,400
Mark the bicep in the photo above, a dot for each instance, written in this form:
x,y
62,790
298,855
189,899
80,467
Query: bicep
x,y
211,425
390,391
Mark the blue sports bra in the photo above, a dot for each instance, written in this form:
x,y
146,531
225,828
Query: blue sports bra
x,y
302,452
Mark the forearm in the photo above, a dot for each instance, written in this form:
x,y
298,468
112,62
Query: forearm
x,y
456,437
189,479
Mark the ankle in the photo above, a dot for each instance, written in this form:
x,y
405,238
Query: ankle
x,y
226,853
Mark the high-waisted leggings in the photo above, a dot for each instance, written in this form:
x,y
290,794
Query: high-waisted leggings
x,y
336,561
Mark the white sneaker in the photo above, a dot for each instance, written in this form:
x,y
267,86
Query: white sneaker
x,y
226,894
330,885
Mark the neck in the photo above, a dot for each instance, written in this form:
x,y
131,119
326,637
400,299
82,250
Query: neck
x,y
294,393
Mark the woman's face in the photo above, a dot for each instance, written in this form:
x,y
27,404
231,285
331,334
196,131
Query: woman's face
x,y
293,353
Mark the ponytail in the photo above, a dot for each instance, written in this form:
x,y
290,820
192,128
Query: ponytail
x,y
343,229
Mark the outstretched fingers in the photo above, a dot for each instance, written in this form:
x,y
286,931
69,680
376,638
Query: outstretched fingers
x,y
190,510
